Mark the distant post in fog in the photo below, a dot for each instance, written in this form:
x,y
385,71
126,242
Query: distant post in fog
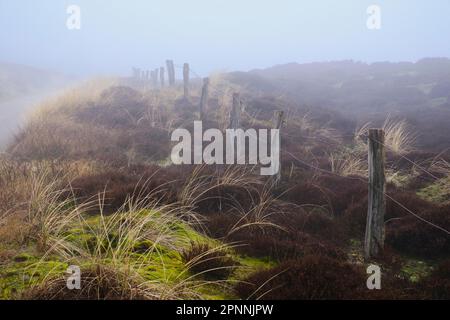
x,y
155,77
204,98
171,72
279,120
161,76
235,114
186,80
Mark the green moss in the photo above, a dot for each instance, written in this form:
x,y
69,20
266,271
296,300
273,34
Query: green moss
x,y
22,257
156,262
414,270
249,265
356,251
438,192
18,276
142,247
256,263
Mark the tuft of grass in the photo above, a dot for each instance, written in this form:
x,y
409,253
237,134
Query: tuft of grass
x,y
212,262
348,164
398,138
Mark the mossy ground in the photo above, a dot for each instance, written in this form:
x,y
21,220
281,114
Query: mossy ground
x,y
438,192
27,267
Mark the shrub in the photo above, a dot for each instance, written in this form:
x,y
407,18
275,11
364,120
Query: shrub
x,y
437,284
354,218
314,277
202,259
335,193
413,236
224,198
120,185
97,283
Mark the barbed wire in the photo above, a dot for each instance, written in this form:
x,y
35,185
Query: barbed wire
x,y
387,195
409,160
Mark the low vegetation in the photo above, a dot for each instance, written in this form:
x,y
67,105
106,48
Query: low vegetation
x,y
88,182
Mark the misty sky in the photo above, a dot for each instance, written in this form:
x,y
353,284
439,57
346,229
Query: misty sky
x,y
217,34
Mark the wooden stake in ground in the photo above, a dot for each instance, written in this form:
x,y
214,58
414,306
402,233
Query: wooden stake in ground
x,y
186,80
161,76
135,73
171,72
204,98
154,76
235,113
278,123
374,239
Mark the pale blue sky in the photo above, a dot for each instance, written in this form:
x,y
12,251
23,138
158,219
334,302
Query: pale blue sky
x,y
217,34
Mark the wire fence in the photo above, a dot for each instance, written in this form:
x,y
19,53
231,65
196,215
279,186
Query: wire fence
x,y
366,181
217,90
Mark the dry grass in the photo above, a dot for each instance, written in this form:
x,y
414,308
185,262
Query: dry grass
x,y
75,98
398,138
441,166
201,181
259,215
113,267
97,283
212,261
348,164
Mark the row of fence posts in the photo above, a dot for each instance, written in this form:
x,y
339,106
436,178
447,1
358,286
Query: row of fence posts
x,y
151,76
157,76
375,234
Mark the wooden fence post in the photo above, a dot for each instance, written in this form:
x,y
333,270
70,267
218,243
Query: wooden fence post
x,y
186,80
170,72
374,238
279,119
161,76
235,114
204,98
154,76
135,73
139,74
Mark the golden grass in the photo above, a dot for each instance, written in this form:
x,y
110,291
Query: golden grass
x,y
398,138
107,253
74,98
348,164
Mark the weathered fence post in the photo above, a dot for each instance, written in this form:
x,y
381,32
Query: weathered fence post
x,y
186,80
279,119
135,73
170,72
374,239
204,98
235,114
154,76
161,76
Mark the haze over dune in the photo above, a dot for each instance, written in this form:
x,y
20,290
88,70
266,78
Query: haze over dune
x,y
21,88
225,150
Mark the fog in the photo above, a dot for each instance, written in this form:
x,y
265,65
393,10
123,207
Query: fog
x,y
217,35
